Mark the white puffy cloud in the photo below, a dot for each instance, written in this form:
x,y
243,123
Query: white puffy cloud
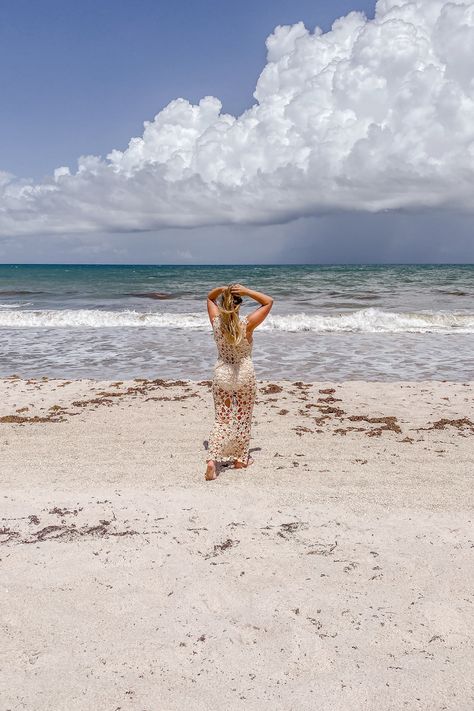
x,y
372,115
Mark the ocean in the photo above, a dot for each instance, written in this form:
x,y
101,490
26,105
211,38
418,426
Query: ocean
x,y
333,323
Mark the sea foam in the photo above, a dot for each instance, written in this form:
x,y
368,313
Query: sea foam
x,y
370,320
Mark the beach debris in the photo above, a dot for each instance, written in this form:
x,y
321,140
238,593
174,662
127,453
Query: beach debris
x,y
105,397
461,423
388,422
45,532
93,401
9,535
352,565
322,548
290,528
221,547
197,530
344,430
271,388
168,398
321,420
64,512
22,419
63,532
300,430
328,410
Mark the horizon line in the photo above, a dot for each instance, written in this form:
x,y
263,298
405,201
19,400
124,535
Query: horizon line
x,y
252,264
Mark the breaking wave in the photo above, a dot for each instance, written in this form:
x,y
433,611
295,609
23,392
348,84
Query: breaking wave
x,y
370,320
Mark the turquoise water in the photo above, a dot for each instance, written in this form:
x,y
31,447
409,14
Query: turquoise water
x,y
383,322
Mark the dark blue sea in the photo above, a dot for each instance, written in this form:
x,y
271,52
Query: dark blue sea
x,y
386,322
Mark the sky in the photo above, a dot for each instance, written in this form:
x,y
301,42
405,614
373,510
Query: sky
x,y
210,132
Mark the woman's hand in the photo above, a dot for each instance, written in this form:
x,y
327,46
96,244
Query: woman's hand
x,y
238,289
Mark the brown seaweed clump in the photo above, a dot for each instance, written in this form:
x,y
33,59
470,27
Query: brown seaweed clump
x,y
271,388
20,419
389,423
462,423
300,430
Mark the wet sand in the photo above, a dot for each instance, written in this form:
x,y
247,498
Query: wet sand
x,y
334,573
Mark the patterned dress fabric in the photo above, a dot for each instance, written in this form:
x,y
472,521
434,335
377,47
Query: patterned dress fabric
x,y
234,388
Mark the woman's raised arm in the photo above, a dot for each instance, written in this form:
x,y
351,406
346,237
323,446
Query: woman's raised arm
x,y
212,309
255,318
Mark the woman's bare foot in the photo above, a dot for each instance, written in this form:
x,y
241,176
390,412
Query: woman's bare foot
x,y
241,465
210,471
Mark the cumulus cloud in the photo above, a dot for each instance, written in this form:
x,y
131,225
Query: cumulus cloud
x,y
372,115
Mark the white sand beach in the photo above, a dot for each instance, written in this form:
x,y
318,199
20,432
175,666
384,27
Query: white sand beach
x,y
334,573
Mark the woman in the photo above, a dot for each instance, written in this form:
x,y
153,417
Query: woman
x,y
234,384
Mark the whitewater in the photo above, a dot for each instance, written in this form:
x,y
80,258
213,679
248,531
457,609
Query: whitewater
x,y
370,320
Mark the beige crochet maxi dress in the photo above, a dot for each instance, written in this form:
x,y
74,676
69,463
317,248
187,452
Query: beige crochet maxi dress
x,y
234,388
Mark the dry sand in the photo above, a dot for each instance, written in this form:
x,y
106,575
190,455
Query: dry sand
x,y
334,573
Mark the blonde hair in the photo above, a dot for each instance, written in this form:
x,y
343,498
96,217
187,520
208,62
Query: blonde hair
x,y
229,316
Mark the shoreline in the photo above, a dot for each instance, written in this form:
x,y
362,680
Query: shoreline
x,y
332,573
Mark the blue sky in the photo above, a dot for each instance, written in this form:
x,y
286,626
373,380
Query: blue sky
x,y
81,76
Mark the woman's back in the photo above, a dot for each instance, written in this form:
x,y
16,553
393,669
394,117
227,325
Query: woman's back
x,y
228,352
